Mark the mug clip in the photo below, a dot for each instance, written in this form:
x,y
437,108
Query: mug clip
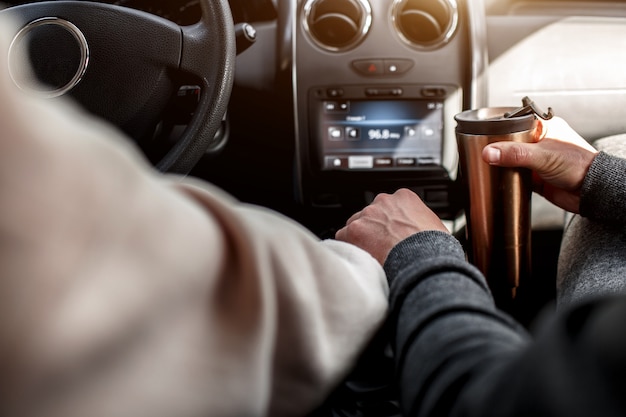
x,y
529,107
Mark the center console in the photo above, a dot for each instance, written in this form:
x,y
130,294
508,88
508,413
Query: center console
x,y
376,88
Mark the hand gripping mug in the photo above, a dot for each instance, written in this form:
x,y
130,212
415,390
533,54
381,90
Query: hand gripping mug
x,y
497,200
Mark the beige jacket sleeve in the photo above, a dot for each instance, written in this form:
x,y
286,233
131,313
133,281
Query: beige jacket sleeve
x,y
128,293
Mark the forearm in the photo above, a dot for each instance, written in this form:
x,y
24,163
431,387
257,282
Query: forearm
x,y
130,295
448,333
188,304
313,305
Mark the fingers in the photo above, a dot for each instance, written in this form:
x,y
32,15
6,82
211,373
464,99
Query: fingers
x,y
388,220
559,159
559,129
556,144
509,154
560,163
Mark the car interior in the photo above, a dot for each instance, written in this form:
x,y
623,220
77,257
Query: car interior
x,y
313,107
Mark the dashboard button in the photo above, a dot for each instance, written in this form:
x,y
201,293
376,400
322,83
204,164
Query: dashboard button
x,y
397,66
406,162
373,91
335,133
336,162
434,92
334,92
336,106
369,66
360,162
383,162
353,133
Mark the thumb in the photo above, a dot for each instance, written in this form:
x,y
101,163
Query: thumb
x,y
513,155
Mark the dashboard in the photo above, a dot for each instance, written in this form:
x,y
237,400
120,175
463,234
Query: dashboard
x,y
343,99
338,100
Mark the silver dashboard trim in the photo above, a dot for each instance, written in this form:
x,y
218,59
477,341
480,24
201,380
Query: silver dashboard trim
x,y
40,90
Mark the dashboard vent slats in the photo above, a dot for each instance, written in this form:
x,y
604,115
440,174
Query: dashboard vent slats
x,y
337,25
425,24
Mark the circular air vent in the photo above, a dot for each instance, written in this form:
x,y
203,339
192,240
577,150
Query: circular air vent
x,y
425,24
337,25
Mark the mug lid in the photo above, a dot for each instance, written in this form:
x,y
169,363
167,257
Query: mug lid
x,y
491,121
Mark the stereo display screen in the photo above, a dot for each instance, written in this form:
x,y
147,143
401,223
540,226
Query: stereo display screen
x,y
379,134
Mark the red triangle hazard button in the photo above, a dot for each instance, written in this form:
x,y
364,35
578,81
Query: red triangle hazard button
x,y
369,66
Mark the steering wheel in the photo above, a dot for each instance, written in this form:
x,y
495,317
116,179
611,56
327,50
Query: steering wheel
x,y
121,64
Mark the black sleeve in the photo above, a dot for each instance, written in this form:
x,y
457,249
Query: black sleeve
x,y
457,355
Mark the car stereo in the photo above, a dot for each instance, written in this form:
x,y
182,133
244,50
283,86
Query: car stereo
x,y
362,128
389,134
373,138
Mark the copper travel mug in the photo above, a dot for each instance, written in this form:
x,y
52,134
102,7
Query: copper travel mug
x,y
497,200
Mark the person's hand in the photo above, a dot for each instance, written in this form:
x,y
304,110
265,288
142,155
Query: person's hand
x,y
389,219
559,160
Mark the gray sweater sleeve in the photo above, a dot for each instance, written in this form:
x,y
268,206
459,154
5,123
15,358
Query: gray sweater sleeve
x,y
447,329
457,355
603,194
